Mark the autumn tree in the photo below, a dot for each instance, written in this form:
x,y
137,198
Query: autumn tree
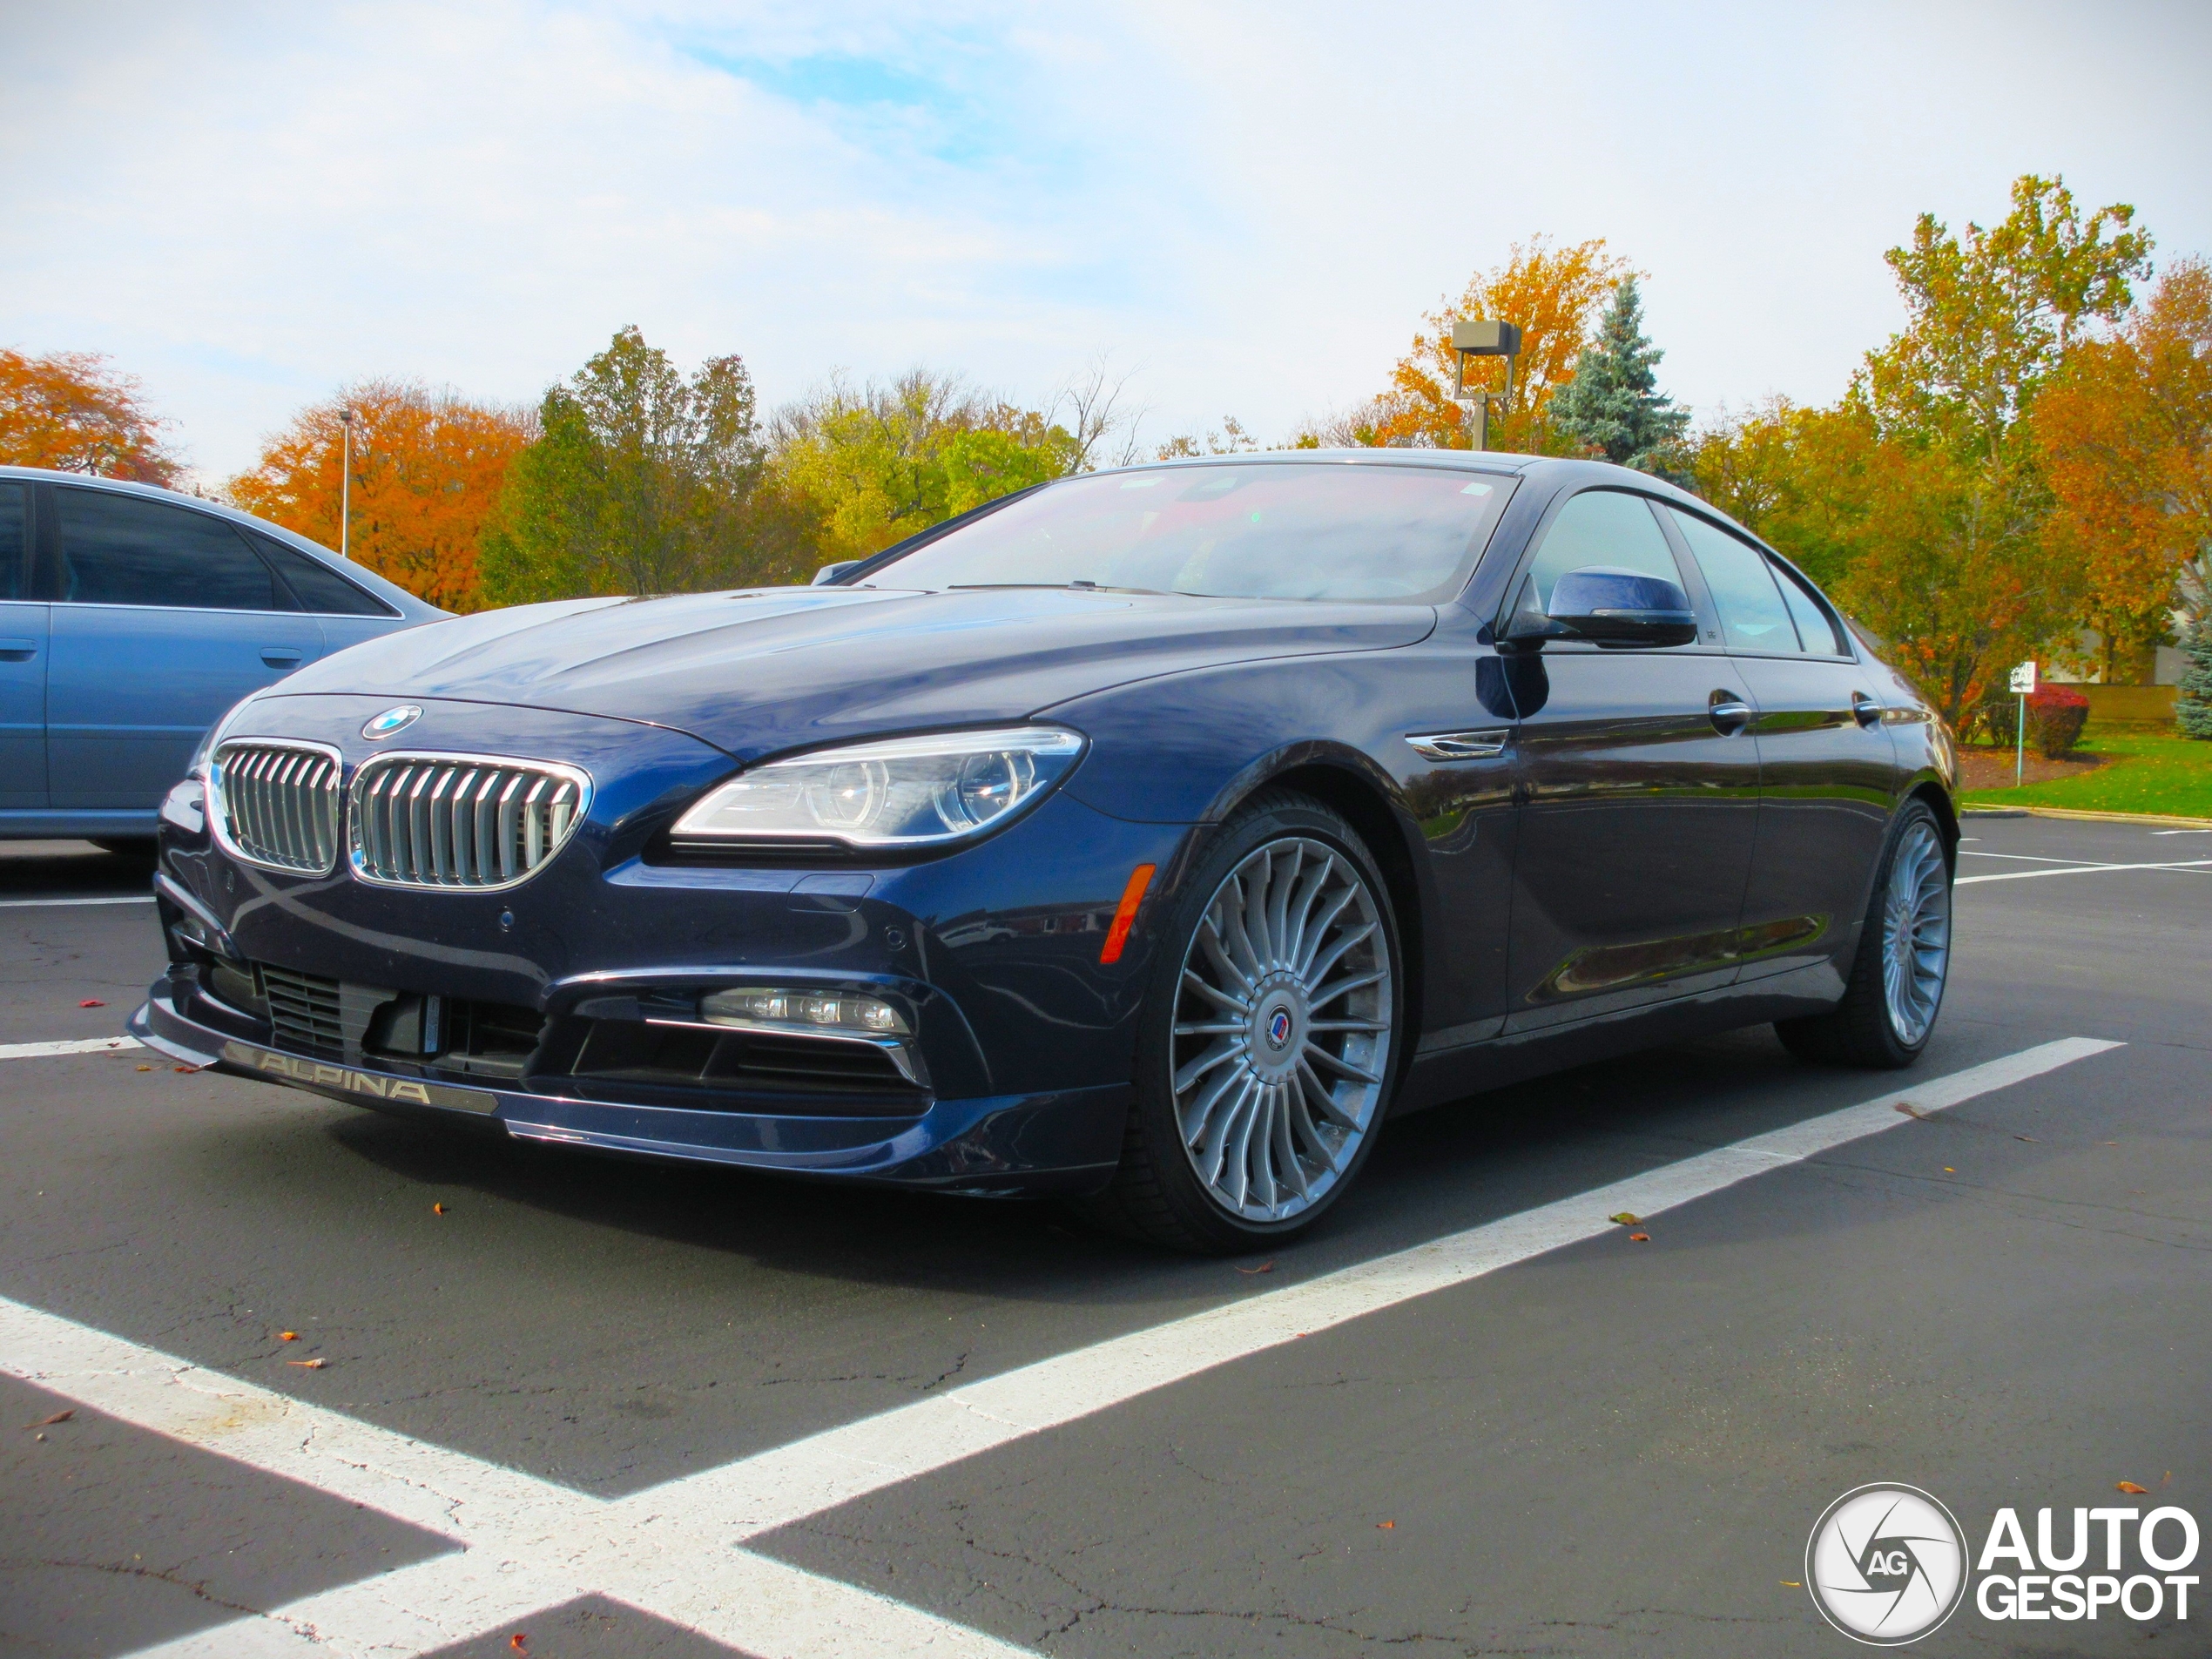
x,y
2123,430
1612,407
428,467
866,465
69,412
641,482
1551,293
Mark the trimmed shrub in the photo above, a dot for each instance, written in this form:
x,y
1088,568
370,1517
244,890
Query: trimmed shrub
x,y
2055,717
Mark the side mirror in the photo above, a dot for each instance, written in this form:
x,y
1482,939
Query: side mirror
x,y
1606,605
830,573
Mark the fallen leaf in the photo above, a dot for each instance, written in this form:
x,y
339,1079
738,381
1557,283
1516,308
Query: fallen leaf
x,y
92,1003
145,1068
180,1068
287,1336
2129,1488
437,1210
58,1417
1910,1111
1264,1267
1384,1525
2108,1143
1947,1169
1625,1218
2169,1481
2029,1138
1639,1238
519,1641
1793,1584
315,1364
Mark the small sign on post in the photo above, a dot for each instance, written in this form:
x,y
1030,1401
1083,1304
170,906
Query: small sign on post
x,y
2023,688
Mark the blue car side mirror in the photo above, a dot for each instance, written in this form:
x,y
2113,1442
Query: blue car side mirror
x,y
1606,605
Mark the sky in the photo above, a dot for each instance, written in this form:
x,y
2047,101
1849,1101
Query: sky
x,y
1244,208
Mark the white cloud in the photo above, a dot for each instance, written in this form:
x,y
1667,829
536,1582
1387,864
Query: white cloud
x,y
1253,203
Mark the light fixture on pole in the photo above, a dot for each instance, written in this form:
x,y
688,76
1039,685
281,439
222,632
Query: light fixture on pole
x,y
1482,339
345,481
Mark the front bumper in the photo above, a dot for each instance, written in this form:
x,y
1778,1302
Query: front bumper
x,y
1058,1141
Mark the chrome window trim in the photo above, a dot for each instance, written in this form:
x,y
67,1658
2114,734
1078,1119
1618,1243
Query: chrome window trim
x,y
376,764
218,803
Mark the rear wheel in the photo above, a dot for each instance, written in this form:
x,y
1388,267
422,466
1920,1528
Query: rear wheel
x,y
1270,1041
1897,982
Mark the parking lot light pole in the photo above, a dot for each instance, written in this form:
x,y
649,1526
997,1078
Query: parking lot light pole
x,y
345,481
1481,338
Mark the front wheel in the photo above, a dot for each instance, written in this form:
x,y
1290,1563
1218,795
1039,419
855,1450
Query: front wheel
x,y
1269,1041
1897,982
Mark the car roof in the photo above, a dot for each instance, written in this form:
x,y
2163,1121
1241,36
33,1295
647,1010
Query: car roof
x,y
1559,470
391,592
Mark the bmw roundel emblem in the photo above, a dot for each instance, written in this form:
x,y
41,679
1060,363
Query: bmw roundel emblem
x,y
392,720
1279,1028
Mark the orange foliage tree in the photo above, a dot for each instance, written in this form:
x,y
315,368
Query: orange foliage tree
x,y
1552,294
2124,431
69,412
428,470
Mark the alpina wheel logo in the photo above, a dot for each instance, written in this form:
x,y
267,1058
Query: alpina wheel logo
x,y
1886,1565
1279,1028
392,720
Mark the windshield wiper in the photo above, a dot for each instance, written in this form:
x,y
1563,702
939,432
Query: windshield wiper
x,y
1078,587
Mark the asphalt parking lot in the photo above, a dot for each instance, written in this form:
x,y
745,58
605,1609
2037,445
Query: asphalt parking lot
x,y
615,1409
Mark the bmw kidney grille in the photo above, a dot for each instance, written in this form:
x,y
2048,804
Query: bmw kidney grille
x,y
462,821
277,804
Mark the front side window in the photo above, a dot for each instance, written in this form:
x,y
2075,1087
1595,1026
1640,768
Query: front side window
x,y
1753,617
125,550
1237,529
1608,528
15,515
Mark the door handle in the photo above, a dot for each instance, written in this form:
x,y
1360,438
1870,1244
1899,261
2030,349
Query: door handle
x,y
17,651
1864,709
1730,713
281,655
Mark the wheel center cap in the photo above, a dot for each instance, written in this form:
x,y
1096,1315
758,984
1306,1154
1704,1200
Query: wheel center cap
x,y
1277,1030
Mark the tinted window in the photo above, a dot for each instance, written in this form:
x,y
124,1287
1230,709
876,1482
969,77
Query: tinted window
x,y
1603,527
1815,627
1267,530
320,589
1752,615
122,550
15,502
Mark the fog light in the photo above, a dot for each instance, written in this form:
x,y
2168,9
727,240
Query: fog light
x,y
767,1010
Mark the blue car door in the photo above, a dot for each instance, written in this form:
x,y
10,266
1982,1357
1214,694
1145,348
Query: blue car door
x,y
163,617
23,661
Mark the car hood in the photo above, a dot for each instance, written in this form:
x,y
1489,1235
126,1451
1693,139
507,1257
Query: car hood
x,y
760,670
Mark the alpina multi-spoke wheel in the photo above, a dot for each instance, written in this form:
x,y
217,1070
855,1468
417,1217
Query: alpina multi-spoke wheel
x,y
1889,1009
1272,1035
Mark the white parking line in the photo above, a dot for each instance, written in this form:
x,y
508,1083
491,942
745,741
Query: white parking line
x,y
2186,831
2073,869
47,904
72,1045
672,1551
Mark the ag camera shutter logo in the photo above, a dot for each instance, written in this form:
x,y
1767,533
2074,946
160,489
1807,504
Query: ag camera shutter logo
x,y
1886,1565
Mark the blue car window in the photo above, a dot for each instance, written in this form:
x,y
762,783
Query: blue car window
x,y
320,589
14,573
125,550
1237,529
1752,614
1603,527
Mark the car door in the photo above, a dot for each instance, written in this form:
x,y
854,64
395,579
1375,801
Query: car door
x,y
163,617
1825,756
1639,784
346,613
23,660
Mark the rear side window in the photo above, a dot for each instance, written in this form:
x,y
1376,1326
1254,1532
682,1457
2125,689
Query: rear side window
x,y
1753,616
1819,630
122,550
320,589
1603,527
15,502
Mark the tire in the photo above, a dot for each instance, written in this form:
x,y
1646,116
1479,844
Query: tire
x,y
1284,1095
1903,961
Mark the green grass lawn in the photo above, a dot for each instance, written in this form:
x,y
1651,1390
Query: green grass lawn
x,y
2152,772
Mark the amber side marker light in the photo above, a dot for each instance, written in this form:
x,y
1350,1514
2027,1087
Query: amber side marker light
x,y
1125,912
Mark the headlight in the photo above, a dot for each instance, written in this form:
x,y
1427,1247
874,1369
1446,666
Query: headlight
x,y
905,793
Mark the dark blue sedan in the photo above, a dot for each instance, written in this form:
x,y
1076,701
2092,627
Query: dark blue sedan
x,y
131,618
1147,838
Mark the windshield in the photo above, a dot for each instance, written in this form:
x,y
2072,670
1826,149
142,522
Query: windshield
x,y
1244,529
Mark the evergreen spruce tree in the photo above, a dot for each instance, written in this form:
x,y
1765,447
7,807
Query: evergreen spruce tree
x,y
2193,707
1613,406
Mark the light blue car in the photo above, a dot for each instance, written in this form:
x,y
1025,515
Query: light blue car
x,y
131,618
